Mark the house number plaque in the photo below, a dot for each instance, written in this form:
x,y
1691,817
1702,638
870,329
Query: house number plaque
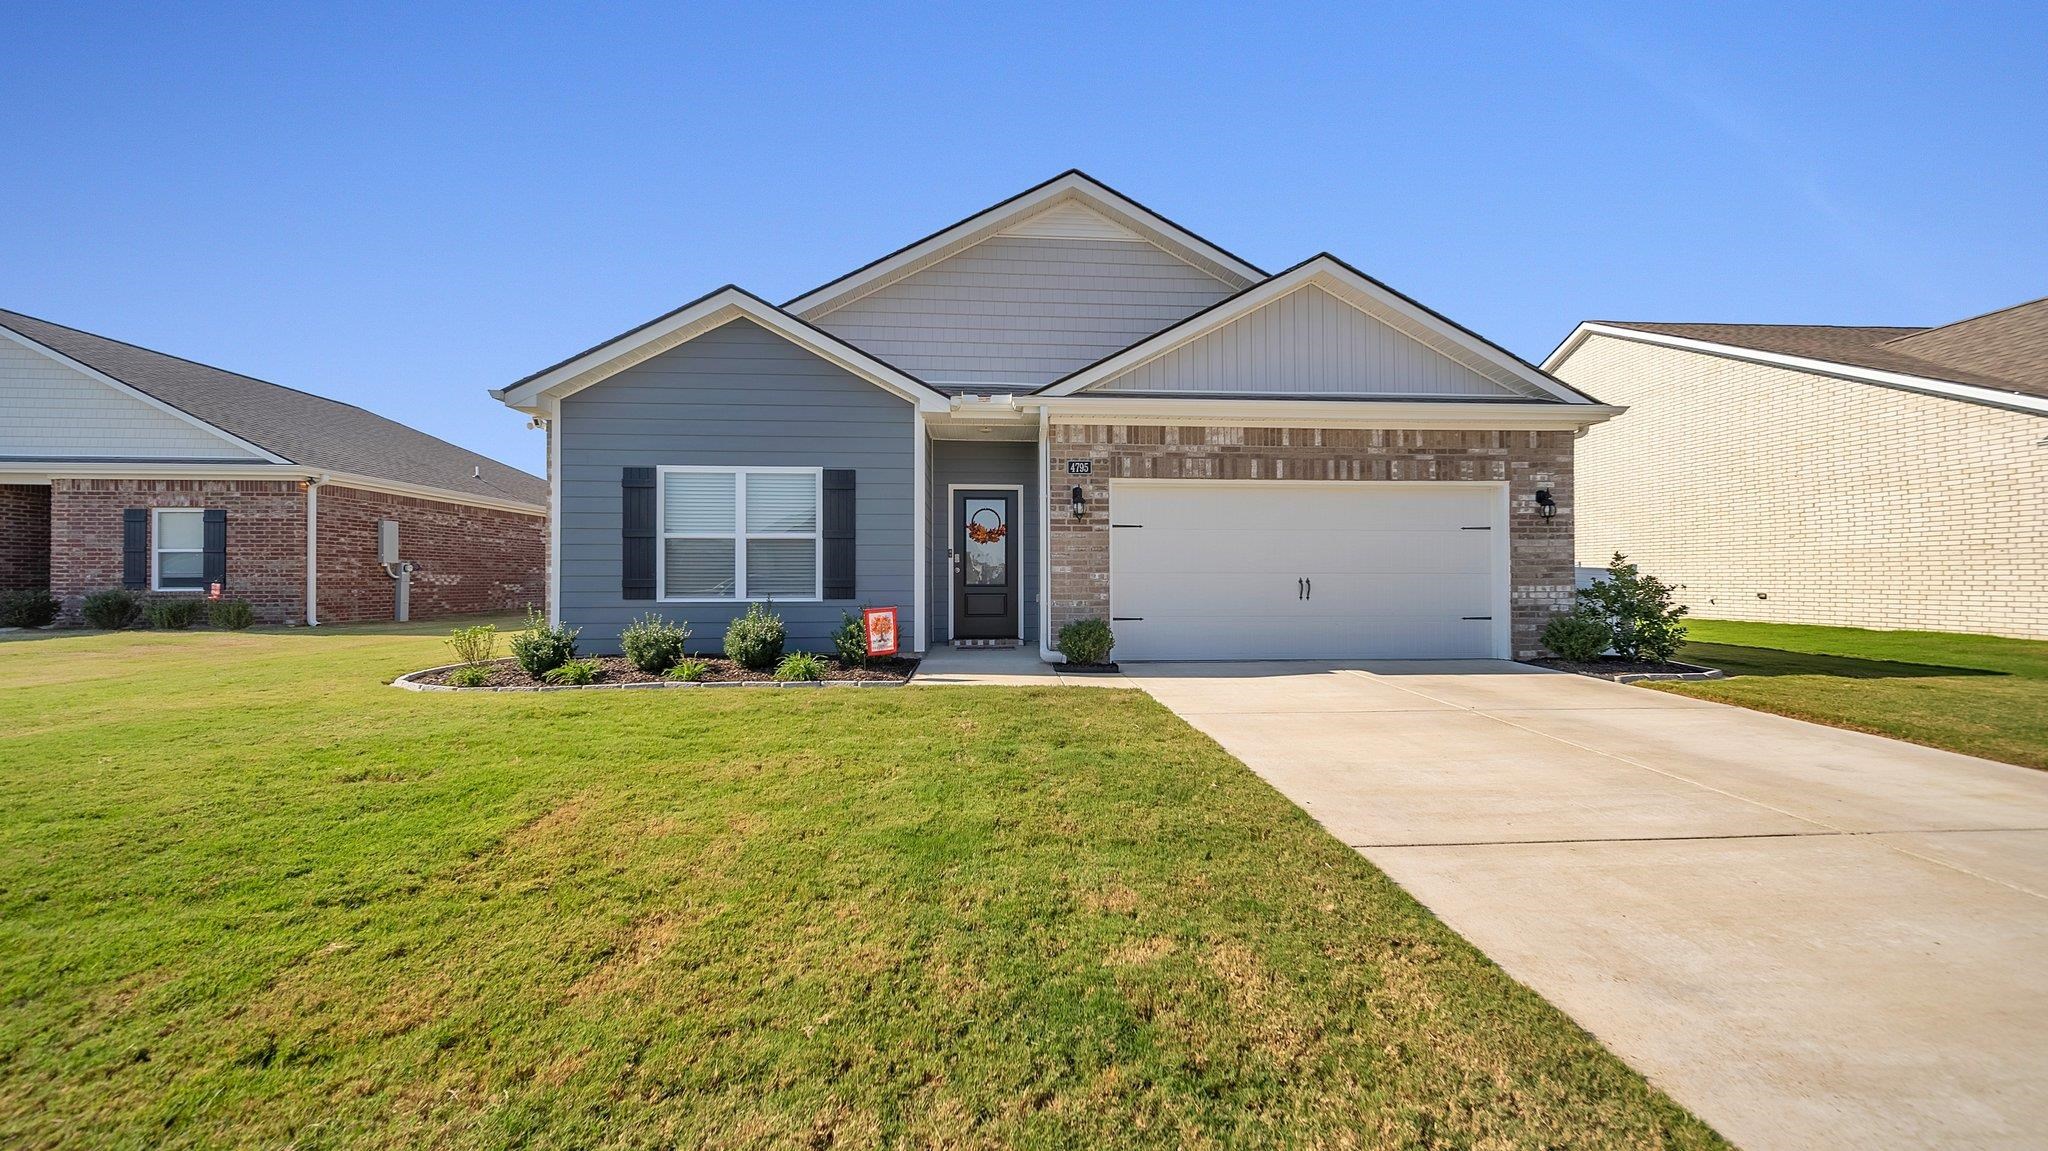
x,y
1080,467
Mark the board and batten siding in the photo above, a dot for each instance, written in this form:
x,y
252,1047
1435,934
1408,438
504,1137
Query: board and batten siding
x,y
1306,343
969,463
1024,309
737,396
50,410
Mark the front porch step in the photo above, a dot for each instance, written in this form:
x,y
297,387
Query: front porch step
x,y
979,643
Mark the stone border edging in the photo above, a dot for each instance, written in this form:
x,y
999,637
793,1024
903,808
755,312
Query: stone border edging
x,y
410,682
1696,672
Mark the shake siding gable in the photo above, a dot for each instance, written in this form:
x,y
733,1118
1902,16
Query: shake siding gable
x,y
737,396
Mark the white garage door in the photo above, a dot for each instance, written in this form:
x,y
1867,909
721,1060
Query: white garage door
x,y
1266,570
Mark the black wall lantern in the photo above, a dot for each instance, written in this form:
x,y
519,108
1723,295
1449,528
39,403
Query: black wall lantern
x,y
1080,502
1545,506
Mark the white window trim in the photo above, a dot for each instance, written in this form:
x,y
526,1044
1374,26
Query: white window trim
x,y
156,550
739,535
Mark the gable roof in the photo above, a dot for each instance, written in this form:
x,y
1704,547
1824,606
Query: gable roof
x,y
1518,378
1072,187
282,424
2010,344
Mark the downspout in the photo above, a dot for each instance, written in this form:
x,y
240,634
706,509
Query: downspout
x,y
1045,651
313,549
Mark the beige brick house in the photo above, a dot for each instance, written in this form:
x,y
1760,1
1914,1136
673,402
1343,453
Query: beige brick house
x,y
1865,477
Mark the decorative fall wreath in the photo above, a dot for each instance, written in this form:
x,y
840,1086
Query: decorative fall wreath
x,y
982,533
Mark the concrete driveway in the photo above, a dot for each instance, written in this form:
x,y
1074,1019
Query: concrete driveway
x,y
1810,937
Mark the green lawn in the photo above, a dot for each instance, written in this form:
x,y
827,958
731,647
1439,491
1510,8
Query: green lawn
x,y
251,896
1976,694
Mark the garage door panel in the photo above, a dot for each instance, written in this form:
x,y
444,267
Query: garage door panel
x,y
1151,550
1201,636
1243,507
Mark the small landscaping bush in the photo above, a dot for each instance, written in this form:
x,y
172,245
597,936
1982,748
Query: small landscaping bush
x,y
653,644
232,614
755,639
1639,612
690,670
474,644
541,647
800,666
1087,641
851,640
1579,637
29,607
472,675
112,609
175,614
574,673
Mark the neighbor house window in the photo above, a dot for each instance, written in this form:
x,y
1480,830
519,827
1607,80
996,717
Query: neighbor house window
x,y
180,549
740,533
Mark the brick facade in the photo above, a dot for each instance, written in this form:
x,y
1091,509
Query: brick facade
x,y
266,537
24,536
469,559
1539,550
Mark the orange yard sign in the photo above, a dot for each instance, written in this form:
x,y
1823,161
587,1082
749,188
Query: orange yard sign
x,y
881,625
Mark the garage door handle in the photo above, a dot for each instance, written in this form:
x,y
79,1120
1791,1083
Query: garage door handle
x,y
1310,585
1300,589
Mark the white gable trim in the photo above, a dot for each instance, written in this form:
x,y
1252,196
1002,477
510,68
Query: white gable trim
x,y
1970,393
98,376
692,320
1070,186
1352,287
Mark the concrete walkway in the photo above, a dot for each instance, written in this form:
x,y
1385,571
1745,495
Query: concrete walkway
x,y
1810,937
1003,667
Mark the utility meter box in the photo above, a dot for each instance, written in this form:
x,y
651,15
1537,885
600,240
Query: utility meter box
x,y
387,542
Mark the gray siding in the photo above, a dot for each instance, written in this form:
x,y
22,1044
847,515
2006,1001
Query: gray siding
x,y
966,462
739,395
1307,343
1024,309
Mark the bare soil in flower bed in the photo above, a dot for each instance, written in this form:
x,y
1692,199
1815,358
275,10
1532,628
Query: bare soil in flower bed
x,y
614,669
1608,667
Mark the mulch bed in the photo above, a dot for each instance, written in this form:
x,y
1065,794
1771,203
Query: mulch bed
x,y
1607,666
615,670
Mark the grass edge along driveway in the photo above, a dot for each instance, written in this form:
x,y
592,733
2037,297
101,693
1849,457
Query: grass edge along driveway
x,y
251,895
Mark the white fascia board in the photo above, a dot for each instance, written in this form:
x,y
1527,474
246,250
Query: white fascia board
x,y
44,471
1447,414
689,322
989,221
1349,286
127,390
424,492
1971,393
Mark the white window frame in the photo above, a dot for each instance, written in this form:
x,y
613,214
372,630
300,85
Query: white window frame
x,y
739,535
156,550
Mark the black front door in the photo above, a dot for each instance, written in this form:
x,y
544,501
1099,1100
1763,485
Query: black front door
x,y
985,565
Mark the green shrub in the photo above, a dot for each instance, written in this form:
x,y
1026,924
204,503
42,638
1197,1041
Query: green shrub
x,y
1087,641
232,614
541,648
755,639
112,609
800,666
851,640
470,675
573,673
174,614
29,607
474,644
1639,612
653,644
1579,637
690,670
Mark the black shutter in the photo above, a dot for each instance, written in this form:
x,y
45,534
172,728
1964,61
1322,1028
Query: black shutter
x,y
216,544
636,534
135,548
838,533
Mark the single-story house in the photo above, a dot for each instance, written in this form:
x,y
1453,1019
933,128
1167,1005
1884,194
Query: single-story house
x,y
122,467
1886,477
1065,407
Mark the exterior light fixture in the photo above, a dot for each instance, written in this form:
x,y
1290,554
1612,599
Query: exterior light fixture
x,y
1080,502
1545,506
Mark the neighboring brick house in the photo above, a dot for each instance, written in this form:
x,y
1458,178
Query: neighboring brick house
x,y
125,467
1855,476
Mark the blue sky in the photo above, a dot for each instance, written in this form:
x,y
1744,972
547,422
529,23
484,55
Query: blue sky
x,y
402,209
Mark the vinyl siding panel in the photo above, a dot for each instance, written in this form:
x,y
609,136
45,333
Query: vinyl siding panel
x,y
967,462
1306,343
48,409
737,396
1024,309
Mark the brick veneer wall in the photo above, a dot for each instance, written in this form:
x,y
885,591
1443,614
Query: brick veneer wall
x,y
1539,550
266,537
469,559
24,536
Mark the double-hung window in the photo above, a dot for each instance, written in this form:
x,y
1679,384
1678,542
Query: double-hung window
x,y
740,533
178,549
